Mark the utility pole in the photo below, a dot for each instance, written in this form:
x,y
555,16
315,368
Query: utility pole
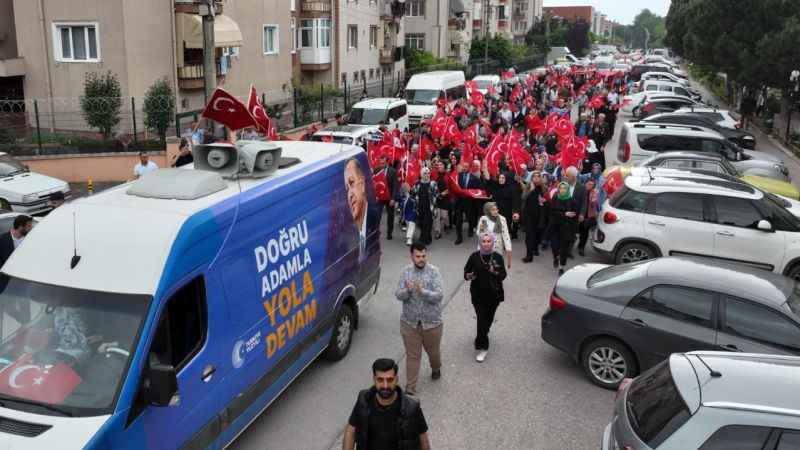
x,y
487,14
209,51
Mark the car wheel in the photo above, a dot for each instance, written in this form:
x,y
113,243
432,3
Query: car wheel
x,y
634,252
607,362
794,272
342,334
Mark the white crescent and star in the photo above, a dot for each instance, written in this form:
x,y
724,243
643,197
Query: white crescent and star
x,y
216,105
12,377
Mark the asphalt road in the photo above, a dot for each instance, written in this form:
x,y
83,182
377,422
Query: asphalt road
x,y
526,395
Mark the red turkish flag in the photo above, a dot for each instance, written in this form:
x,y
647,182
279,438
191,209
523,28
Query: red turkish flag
x,y
438,125
49,384
228,110
257,111
413,169
597,102
441,102
496,149
614,181
572,153
458,191
491,90
565,128
381,186
426,148
471,86
468,155
516,93
476,99
517,155
452,133
507,74
376,150
534,123
550,122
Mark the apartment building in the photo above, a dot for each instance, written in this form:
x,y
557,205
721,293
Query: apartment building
x,y
369,41
492,17
440,27
526,14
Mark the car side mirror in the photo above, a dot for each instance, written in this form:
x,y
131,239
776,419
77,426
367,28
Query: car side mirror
x,y
738,156
161,386
764,225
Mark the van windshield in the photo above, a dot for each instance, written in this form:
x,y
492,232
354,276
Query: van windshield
x,y
65,351
331,138
422,96
483,84
361,116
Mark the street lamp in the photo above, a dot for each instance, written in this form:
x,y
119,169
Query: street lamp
x,y
794,77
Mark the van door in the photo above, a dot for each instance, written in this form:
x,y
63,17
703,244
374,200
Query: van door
x,y
679,214
186,337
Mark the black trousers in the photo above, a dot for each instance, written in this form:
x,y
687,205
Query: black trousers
x,y
485,311
474,208
389,217
533,237
561,243
584,229
461,207
425,224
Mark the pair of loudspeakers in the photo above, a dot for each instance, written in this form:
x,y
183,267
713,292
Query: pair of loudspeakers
x,y
255,159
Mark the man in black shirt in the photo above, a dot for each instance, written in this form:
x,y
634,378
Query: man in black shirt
x,y
384,417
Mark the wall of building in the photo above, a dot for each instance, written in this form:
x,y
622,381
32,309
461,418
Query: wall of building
x,y
362,14
95,167
8,34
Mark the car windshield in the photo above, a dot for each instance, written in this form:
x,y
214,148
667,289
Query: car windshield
x,y
483,84
422,96
616,274
10,166
604,65
65,351
362,116
655,407
331,138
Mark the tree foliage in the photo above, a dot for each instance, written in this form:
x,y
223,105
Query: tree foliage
x,y
755,42
159,107
101,102
500,49
562,33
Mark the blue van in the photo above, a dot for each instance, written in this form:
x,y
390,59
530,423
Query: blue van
x,y
169,312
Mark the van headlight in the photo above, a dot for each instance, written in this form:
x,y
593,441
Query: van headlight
x,y
427,116
30,198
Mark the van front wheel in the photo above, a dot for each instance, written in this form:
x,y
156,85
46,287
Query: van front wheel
x,y
342,334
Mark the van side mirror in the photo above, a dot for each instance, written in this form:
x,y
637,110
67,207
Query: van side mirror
x,y
161,386
738,156
764,225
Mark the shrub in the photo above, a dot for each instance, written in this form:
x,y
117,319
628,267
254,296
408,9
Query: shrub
x,y
101,102
159,108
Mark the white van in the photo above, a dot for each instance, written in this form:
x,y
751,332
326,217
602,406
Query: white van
x,y
423,89
393,112
669,87
484,81
346,134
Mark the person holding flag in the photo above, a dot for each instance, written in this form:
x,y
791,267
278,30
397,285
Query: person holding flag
x,y
388,175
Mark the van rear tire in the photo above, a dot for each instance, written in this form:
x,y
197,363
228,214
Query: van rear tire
x,y
342,335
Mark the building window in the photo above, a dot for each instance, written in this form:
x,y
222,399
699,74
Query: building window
x,y
373,36
293,26
270,39
352,36
371,73
415,41
76,42
344,77
501,12
324,32
415,8
306,33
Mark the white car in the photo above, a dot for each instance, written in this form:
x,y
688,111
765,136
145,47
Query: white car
x,y
24,191
485,81
721,117
393,112
664,76
346,134
702,215
632,101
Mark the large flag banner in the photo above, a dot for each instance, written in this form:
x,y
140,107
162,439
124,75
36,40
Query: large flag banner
x,y
228,110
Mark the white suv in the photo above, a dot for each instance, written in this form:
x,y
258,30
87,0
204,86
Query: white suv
x,y
721,117
639,141
686,213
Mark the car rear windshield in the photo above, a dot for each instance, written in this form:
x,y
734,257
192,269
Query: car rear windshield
x,y
629,200
622,272
655,407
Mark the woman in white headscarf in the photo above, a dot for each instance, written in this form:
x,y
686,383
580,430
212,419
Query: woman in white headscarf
x,y
494,223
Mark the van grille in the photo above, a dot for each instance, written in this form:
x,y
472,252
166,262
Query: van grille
x,y
26,429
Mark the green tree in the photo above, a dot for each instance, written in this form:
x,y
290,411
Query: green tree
x,y
101,102
500,49
159,107
419,59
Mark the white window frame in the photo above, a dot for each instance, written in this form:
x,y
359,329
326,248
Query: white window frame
x,y
350,43
275,39
373,36
293,28
58,50
418,40
420,8
323,30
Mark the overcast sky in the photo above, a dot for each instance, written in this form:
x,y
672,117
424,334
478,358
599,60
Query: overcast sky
x,y
622,11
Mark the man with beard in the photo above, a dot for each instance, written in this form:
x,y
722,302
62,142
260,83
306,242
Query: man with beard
x,y
384,417
8,243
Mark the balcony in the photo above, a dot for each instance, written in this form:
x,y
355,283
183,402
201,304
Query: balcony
x,y
386,56
315,59
477,23
316,7
193,6
191,76
14,67
502,23
392,10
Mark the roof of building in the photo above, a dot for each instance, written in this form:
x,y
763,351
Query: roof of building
x,y
124,240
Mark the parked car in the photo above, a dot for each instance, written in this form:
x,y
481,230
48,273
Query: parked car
x,y
696,214
716,164
738,136
663,76
616,321
671,87
485,81
638,69
721,117
346,134
24,191
662,105
709,401
641,140
631,101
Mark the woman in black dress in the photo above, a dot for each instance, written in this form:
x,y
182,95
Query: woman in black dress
x,y
534,216
486,271
563,225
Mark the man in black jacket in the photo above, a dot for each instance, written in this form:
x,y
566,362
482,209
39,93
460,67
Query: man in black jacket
x,y
391,185
384,417
8,242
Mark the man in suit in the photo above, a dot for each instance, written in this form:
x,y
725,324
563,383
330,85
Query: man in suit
x,y
578,191
469,178
8,243
363,217
391,185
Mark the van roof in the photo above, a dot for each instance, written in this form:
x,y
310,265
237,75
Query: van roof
x,y
124,240
347,130
487,77
379,103
424,80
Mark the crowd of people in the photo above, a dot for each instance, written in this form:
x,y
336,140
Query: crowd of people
x,y
511,162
